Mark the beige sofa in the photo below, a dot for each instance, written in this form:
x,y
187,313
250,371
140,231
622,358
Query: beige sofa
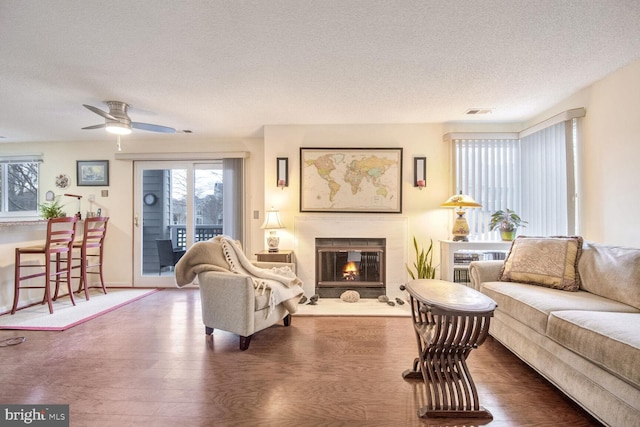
x,y
587,342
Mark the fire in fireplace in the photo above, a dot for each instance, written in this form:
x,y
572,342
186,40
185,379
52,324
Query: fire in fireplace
x,y
350,271
343,263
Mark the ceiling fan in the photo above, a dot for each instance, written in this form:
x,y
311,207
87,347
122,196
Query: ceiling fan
x,y
117,120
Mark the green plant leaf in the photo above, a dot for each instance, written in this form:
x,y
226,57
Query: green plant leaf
x,y
423,264
505,220
52,209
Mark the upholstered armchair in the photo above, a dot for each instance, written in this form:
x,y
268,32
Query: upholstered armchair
x,y
239,295
231,303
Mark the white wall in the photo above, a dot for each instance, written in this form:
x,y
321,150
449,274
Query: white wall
x,y
421,208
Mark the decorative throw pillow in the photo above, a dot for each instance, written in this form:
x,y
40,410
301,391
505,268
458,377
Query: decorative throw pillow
x,y
545,261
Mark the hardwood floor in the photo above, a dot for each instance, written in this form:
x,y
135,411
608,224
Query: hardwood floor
x,y
149,363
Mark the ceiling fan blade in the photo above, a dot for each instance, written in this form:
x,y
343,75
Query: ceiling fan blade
x,y
96,126
152,128
100,112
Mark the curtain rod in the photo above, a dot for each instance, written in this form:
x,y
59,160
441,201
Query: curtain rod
x,y
558,118
183,156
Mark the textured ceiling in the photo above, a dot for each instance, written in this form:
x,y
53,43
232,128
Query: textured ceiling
x,y
227,68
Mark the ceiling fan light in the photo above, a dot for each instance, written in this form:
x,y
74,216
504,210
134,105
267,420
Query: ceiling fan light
x,y
118,128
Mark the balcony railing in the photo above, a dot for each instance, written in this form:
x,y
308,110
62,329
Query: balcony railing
x,y
203,232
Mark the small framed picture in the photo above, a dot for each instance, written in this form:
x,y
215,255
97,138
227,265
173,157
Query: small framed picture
x,y
93,173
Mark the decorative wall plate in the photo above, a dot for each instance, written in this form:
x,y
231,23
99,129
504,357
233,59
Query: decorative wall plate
x,y
62,181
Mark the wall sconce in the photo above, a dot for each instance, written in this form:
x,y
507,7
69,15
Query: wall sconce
x,y
282,167
420,172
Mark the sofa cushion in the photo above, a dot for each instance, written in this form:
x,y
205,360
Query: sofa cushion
x,y
610,340
546,261
532,305
611,271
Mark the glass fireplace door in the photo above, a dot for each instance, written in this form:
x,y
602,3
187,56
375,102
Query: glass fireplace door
x,y
350,267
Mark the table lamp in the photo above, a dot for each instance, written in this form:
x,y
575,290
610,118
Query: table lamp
x,y
78,214
460,226
272,223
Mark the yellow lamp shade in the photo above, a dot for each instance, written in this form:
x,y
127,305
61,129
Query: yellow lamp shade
x,y
460,226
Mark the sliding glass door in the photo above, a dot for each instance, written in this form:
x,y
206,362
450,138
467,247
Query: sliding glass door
x,y
178,203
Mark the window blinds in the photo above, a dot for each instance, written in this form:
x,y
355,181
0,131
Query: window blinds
x,y
27,158
489,171
547,180
533,175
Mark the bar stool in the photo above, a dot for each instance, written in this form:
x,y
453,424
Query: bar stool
x,y
56,254
91,252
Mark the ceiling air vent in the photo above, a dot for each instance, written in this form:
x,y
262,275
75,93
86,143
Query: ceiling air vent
x,y
479,111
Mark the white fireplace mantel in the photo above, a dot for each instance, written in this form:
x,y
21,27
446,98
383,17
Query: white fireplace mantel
x,y
392,228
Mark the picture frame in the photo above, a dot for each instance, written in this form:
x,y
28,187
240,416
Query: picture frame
x,y
351,180
92,173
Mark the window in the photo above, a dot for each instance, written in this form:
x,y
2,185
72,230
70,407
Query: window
x,y
532,173
489,171
19,178
547,202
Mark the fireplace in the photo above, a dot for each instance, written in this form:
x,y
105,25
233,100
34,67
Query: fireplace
x,y
392,228
350,263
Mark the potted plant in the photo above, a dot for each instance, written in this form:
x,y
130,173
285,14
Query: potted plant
x,y
52,209
508,222
423,263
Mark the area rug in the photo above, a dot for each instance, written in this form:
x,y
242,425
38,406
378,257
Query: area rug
x,y
363,307
66,315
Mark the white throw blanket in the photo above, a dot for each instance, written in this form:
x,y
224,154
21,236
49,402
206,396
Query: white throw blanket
x,y
223,254
283,283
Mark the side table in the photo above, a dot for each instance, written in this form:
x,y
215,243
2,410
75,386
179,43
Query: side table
x,y
449,320
280,256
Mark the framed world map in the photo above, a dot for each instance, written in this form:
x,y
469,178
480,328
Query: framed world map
x,y
351,180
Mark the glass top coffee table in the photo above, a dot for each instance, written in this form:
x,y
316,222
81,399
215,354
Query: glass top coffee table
x,y
449,320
